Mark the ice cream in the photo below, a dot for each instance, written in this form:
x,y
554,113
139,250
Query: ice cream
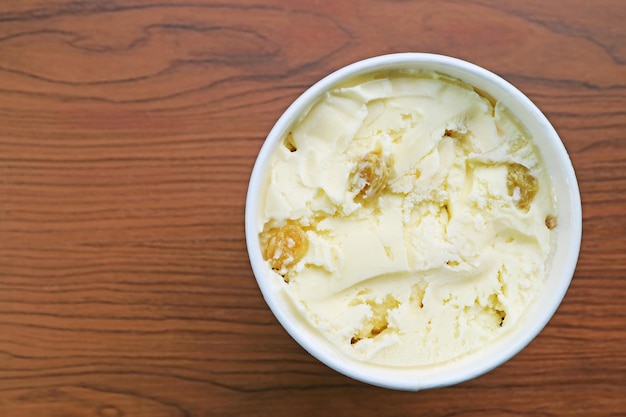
x,y
408,218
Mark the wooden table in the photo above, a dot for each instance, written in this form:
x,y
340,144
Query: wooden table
x,y
128,130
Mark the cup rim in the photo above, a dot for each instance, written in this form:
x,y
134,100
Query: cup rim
x,y
412,378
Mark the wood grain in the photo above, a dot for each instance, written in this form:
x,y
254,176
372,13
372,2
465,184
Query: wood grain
x,y
128,130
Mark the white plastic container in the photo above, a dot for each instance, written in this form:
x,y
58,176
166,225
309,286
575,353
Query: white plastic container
x,y
560,271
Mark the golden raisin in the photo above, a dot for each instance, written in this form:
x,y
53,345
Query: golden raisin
x,y
285,246
551,222
379,321
290,143
522,185
371,175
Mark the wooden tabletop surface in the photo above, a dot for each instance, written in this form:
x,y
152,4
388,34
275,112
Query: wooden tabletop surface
x,y
128,131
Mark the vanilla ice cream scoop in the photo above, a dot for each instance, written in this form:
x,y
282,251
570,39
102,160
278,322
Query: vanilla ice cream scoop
x,y
407,217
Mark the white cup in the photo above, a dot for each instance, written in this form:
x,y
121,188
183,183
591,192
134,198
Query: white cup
x,y
560,271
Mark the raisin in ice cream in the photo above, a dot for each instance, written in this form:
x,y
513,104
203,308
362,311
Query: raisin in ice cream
x,y
408,218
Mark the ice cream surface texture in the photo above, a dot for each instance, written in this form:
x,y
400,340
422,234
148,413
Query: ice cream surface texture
x,y
407,217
